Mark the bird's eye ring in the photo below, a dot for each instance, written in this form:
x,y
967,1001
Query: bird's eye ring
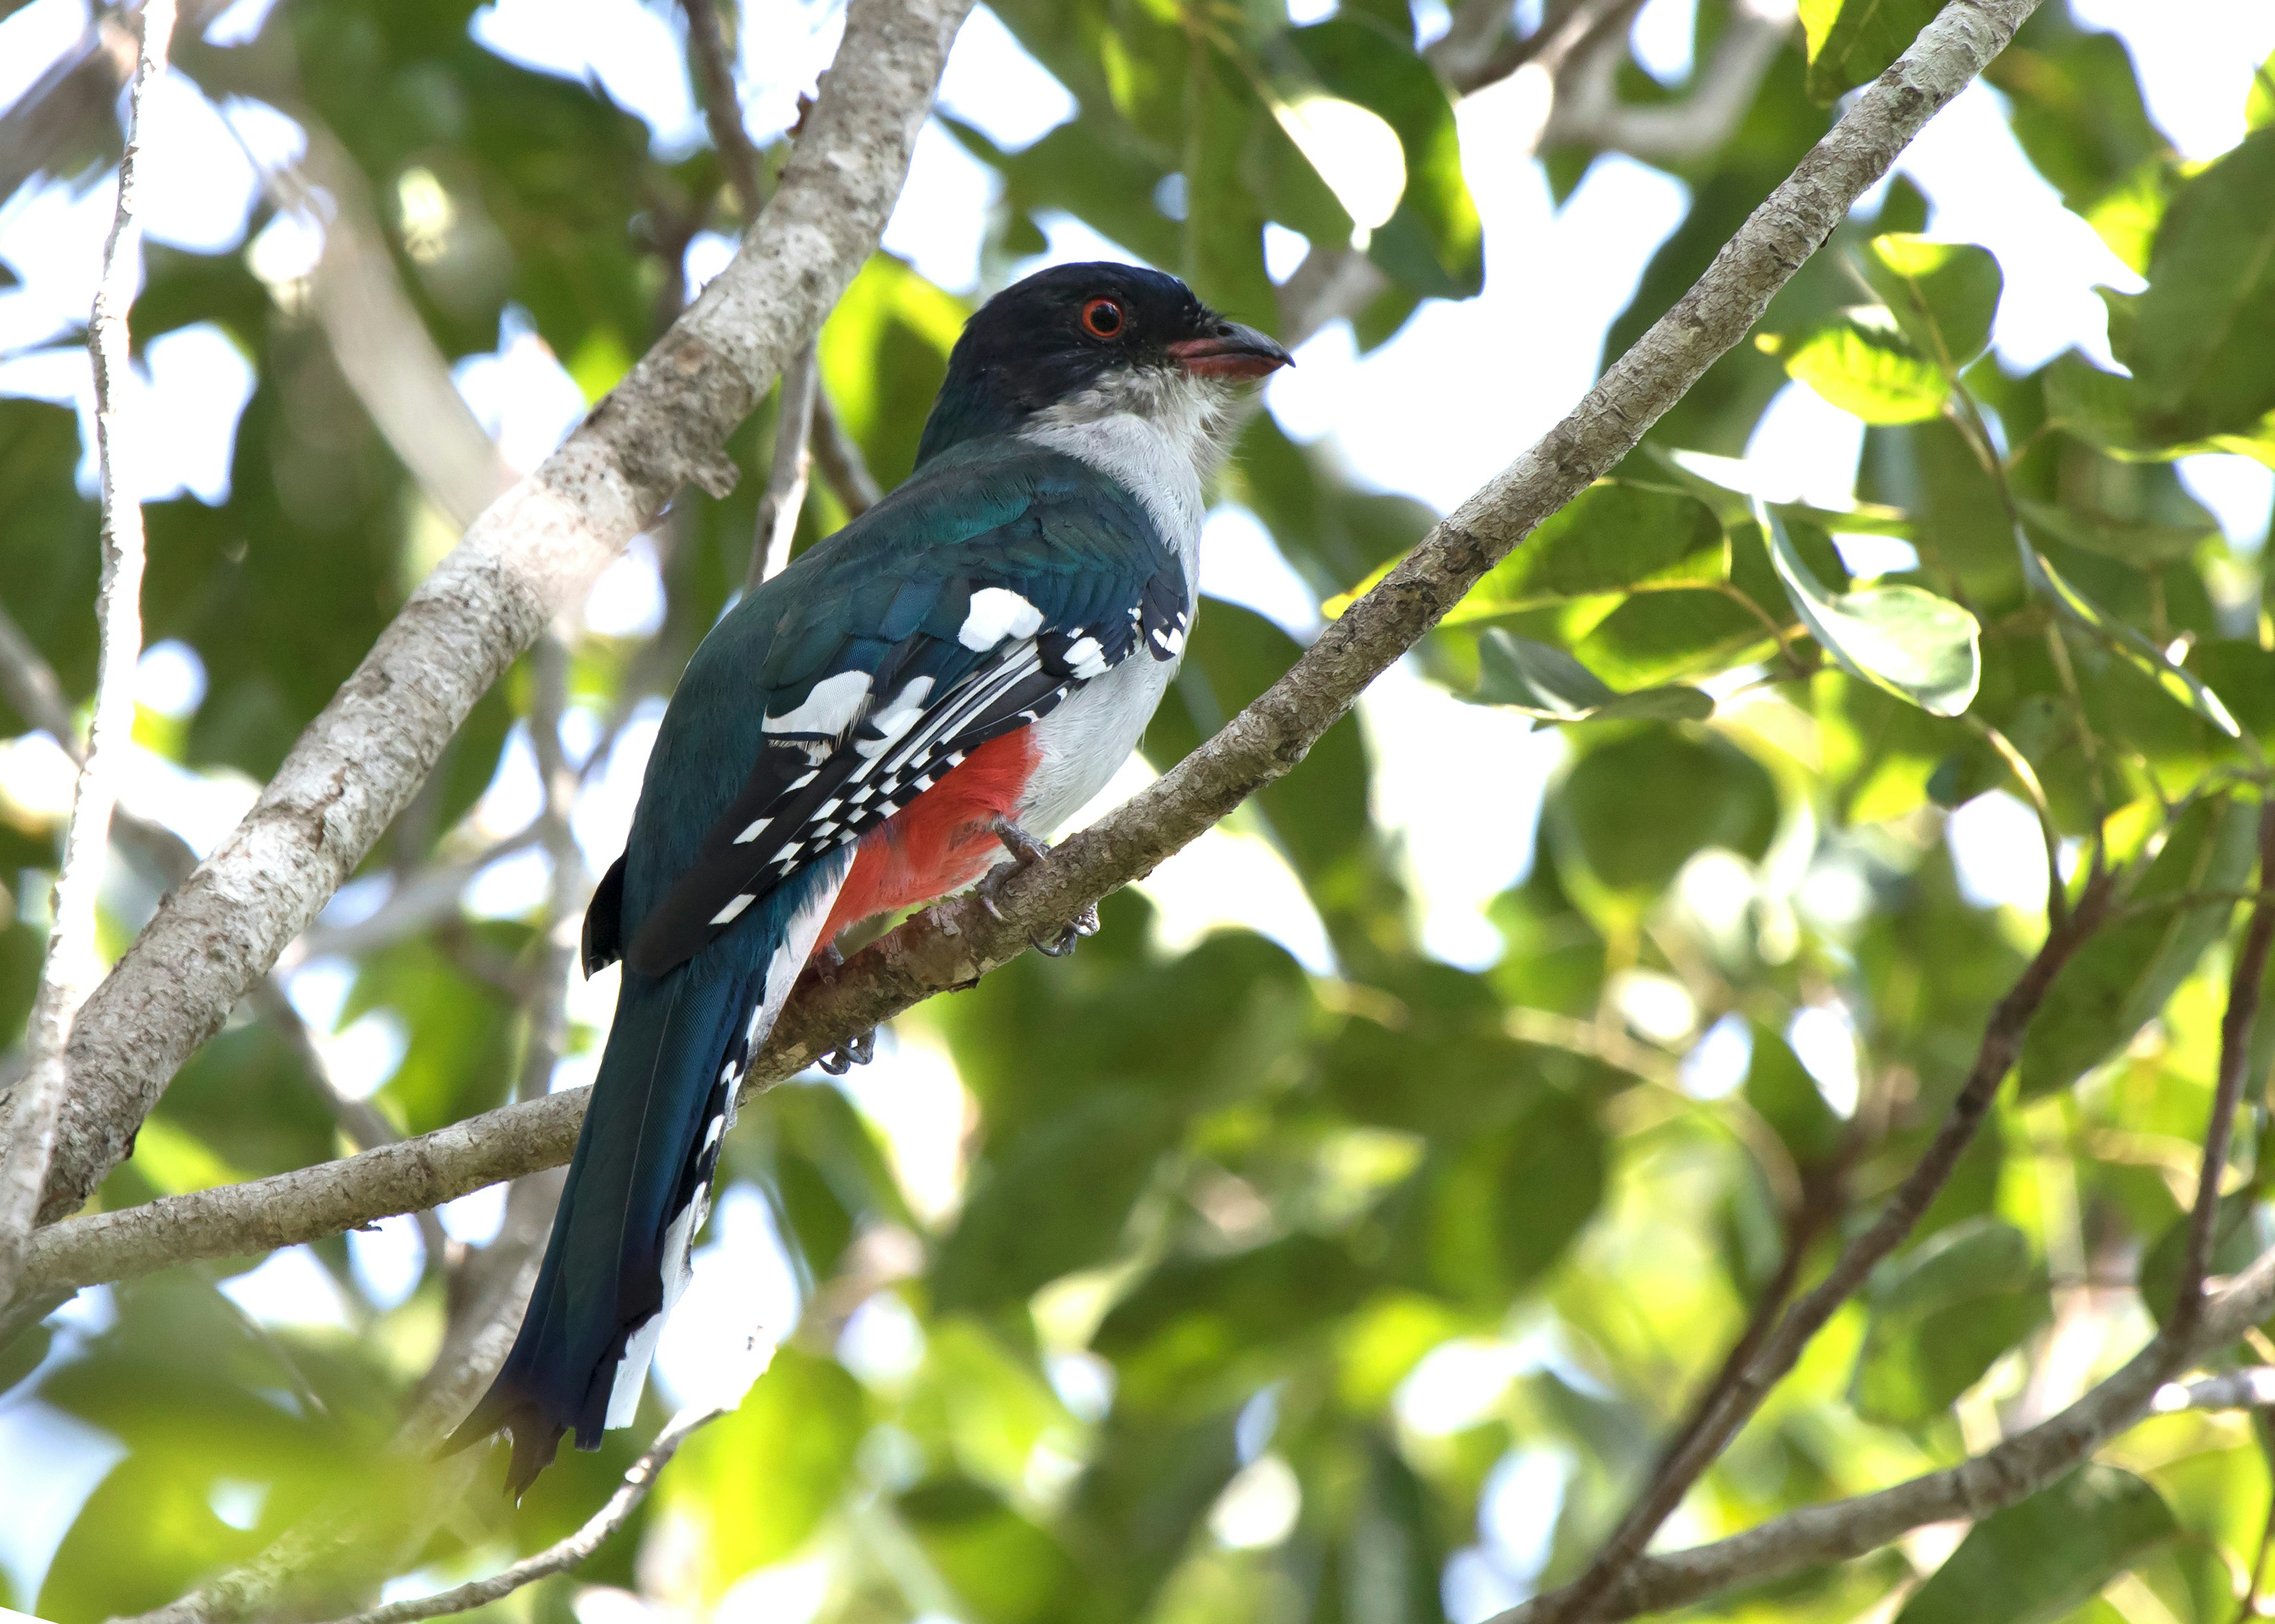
x,y
1101,318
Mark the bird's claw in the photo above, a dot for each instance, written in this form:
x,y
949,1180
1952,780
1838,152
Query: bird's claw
x,y
854,1051
1085,924
1026,851
851,1053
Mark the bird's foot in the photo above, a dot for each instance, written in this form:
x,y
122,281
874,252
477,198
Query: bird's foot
x,y
857,1051
1026,851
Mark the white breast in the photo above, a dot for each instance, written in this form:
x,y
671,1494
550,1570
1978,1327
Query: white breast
x,y
1156,457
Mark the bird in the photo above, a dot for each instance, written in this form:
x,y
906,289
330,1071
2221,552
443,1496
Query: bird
x,y
908,709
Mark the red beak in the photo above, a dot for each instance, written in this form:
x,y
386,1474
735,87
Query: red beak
x,y
1230,351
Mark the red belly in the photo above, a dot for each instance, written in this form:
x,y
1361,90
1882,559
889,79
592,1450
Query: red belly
x,y
940,841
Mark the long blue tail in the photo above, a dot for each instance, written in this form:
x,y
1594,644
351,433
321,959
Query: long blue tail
x,y
637,1193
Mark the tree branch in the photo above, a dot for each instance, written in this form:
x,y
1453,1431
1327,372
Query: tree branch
x,y
1587,111
840,461
389,360
2235,1025
533,552
953,944
793,465
1742,1390
72,966
2252,1388
1998,1477
801,379
67,112
561,1556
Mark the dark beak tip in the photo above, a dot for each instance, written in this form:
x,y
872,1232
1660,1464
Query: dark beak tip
x,y
1232,351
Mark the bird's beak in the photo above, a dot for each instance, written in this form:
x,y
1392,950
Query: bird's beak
x,y
1230,351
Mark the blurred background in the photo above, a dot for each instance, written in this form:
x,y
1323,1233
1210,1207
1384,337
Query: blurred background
x,y
1332,1236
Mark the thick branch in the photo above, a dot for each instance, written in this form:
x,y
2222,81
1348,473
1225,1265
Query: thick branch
x,y
955,943
2011,1471
534,551
71,964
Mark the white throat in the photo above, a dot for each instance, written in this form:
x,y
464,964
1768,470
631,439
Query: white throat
x,y
1159,433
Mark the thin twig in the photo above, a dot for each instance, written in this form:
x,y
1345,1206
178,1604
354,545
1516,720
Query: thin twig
x,y
71,968
2002,1476
792,468
801,377
2235,1061
1588,110
839,457
2027,775
1821,1203
28,683
564,1554
1736,1400
722,108
2252,1388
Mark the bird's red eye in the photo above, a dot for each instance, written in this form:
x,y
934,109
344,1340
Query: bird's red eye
x,y
1101,318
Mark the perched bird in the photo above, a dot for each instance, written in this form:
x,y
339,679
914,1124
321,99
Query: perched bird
x,y
916,700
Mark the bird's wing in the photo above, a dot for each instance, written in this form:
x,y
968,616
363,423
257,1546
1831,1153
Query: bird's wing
x,y
890,664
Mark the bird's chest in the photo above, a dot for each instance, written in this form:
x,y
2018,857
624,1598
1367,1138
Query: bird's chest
x,y
1082,744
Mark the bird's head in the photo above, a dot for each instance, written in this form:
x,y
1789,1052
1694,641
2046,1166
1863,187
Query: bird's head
x,y
1093,339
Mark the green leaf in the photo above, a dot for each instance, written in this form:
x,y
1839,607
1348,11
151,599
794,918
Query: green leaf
x,y
1548,683
1902,639
2139,542
1851,41
757,1483
2105,409
1090,169
1006,1569
1320,820
1504,1207
1634,809
2127,217
2204,346
2033,1563
1781,1091
1943,295
2127,643
1615,536
1223,254
1861,361
1432,242
1940,1315
2125,975
1054,1200
2075,106
2244,1228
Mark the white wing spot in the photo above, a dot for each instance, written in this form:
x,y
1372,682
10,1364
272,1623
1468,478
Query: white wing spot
x,y
997,612
1086,659
732,910
752,832
829,707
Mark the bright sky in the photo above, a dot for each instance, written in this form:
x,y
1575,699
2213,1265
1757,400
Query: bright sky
x,y
1434,413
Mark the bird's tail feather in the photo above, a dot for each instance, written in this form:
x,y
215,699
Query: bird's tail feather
x,y
638,1191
